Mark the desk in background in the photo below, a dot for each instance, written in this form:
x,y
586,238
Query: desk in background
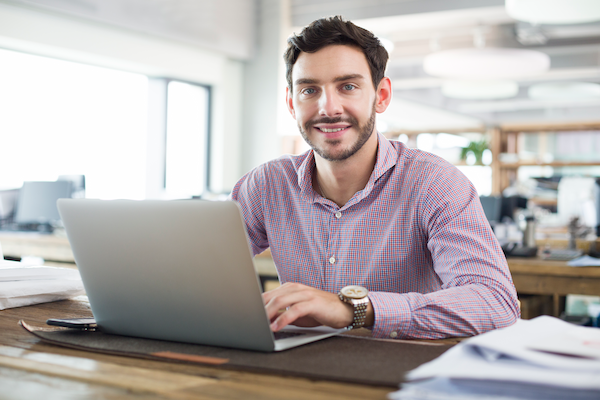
x,y
553,278
532,276
54,249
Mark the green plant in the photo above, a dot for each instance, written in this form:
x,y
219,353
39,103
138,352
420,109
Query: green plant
x,y
475,147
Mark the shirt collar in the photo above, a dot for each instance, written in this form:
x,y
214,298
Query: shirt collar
x,y
387,157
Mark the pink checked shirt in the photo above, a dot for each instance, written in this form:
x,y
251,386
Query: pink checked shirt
x,y
416,237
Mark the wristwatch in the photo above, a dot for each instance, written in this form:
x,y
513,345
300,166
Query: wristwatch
x,y
356,296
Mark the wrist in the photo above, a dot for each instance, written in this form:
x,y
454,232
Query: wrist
x,y
357,298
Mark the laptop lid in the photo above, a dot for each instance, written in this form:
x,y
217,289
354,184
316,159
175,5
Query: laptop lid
x,y
170,270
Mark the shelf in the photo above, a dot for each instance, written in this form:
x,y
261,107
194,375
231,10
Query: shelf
x,y
553,127
540,201
505,165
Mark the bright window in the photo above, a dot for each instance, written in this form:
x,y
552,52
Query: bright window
x,y
187,136
60,118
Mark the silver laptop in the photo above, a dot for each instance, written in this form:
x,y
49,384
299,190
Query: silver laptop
x,y
173,270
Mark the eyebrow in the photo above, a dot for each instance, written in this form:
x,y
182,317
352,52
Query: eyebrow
x,y
308,81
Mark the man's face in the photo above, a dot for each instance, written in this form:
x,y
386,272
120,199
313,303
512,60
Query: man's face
x,y
333,100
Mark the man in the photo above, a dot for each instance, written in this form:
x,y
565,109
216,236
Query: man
x,y
357,209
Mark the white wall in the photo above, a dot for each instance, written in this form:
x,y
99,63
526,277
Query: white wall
x,y
264,85
54,35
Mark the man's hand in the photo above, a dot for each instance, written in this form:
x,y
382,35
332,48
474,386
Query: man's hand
x,y
297,304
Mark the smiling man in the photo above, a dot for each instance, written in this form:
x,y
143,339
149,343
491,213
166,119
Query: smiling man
x,y
365,231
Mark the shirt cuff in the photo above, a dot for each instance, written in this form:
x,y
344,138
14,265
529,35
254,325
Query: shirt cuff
x,y
392,315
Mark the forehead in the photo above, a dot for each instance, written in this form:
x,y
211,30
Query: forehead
x,y
331,62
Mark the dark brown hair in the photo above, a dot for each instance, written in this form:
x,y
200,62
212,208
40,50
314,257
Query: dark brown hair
x,y
331,31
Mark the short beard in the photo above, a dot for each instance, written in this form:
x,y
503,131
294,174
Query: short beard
x,y
364,133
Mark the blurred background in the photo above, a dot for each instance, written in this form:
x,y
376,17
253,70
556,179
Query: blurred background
x,y
177,99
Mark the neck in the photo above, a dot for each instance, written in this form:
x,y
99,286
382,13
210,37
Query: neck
x,y
338,181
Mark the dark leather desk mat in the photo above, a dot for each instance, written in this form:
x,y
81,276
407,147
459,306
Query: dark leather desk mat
x,y
340,358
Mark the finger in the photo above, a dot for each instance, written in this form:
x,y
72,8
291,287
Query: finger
x,y
298,311
285,288
285,301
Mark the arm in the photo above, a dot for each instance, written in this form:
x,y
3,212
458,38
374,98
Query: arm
x,y
474,289
477,293
247,193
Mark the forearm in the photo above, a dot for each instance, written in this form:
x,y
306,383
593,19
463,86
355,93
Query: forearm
x,y
459,311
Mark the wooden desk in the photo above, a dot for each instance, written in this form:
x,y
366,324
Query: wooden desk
x,y
554,278
55,249
32,369
531,275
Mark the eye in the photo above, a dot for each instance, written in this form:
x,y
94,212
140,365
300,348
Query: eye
x,y
307,91
349,87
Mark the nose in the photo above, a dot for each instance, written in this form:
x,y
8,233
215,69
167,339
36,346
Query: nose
x,y
330,104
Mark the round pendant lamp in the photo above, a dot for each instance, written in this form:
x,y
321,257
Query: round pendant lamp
x,y
554,11
564,90
480,90
486,63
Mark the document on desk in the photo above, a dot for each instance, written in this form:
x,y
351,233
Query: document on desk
x,y
543,358
25,285
584,261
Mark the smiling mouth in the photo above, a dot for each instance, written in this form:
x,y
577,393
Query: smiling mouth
x,y
331,130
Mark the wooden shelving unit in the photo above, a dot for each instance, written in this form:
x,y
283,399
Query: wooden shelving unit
x,y
505,139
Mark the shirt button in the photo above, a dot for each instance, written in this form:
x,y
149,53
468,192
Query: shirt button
x,y
332,260
394,334
338,214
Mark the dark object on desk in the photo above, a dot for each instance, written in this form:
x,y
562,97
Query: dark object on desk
x,y
581,320
341,358
593,250
594,253
510,204
75,323
492,207
514,250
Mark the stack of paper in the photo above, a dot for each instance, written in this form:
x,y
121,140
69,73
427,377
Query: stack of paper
x,y
25,285
544,358
584,261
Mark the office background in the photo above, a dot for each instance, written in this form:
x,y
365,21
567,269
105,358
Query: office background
x,y
143,62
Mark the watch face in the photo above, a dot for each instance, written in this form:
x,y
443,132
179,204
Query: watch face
x,y
354,292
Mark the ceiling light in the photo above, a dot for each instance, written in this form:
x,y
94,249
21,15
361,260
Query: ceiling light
x,y
486,63
564,90
554,11
484,90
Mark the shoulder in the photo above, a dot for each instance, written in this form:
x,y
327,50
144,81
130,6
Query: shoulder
x,y
424,165
274,173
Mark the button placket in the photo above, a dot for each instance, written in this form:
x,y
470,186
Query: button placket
x,y
331,256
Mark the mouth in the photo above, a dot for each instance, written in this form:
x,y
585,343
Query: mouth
x,y
332,130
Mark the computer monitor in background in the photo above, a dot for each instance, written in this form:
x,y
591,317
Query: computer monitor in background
x,y
37,203
8,203
77,185
492,207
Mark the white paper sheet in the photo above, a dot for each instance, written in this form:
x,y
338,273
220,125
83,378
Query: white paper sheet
x,y
23,286
506,355
584,261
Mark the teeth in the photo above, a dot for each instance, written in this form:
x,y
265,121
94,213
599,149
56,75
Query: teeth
x,y
331,130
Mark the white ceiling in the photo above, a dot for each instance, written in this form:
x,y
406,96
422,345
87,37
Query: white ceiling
x,y
417,27
574,51
226,26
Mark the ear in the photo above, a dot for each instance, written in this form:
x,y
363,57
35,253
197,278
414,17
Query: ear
x,y
384,94
289,101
